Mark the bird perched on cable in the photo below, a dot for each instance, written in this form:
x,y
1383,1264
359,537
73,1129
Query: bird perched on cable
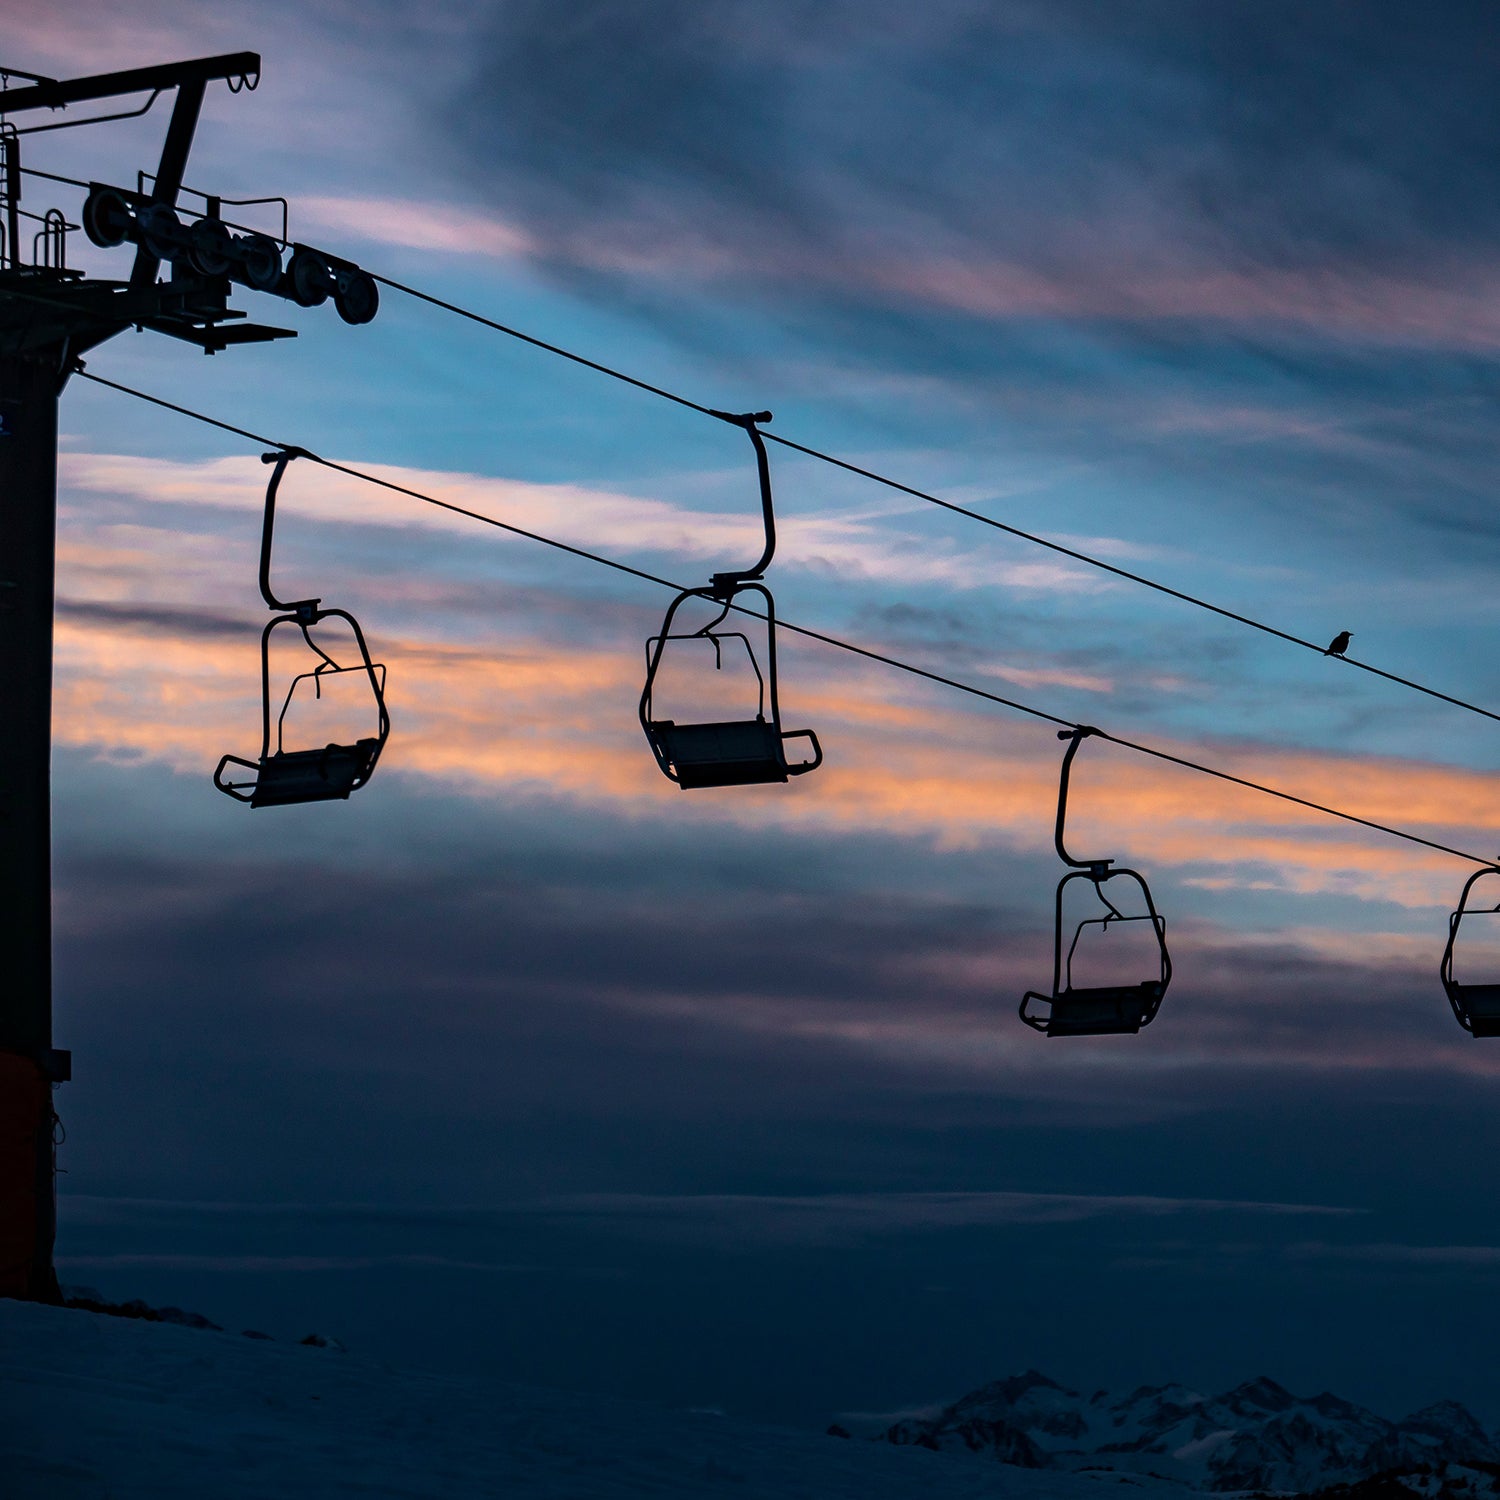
x,y
1339,644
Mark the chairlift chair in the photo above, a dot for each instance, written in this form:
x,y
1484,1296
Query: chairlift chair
x,y
282,777
733,752
1476,1006
1095,1010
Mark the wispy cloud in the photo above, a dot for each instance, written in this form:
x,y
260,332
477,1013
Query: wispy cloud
x,y
858,546
1434,1257
1453,309
256,1264
141,673
417,225
568,730
1136,171
721,1218
841,1217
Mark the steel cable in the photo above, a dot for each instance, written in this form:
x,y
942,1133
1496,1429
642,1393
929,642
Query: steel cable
x,y
875,477
948,505
817,635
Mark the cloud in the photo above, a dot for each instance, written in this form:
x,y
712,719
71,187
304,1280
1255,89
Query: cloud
x,y
702,1218
414,225
568,730
498,688
708,952
1048,677
843,1217
1435,1257
1005,161
855,546
1413,308
259,1264
193,624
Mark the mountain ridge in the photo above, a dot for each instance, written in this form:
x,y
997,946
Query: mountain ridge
x,y
1257,1436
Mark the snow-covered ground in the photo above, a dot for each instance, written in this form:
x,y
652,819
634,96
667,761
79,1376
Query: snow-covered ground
x,y
103,1408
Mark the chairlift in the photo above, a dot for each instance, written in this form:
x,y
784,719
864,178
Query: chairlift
x,y
1096,1010
328,773
734,752
1477,1006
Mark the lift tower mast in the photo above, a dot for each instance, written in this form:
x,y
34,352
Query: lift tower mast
x,y
49,316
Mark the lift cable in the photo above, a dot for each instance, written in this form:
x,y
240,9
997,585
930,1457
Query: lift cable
x,y
895,484
802,630
948,505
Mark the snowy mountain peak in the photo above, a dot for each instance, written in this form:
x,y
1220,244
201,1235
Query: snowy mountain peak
x,y
1336,1408
1258,1436
1015,1387
1445,1422
1259,1395
1152,1407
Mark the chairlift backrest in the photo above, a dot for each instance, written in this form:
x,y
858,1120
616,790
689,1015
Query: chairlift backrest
x,y
1476,1007
315,774
733,752
1095,1010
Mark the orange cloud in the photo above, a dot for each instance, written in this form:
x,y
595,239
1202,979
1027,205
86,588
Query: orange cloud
x,y
523,716
495,708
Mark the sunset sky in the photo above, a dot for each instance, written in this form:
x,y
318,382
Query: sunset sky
x,y
523,1060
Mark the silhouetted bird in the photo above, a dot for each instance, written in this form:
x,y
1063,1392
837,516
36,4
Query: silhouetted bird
x,y
1339,644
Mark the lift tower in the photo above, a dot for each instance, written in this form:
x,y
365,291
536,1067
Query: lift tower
x,y
50,315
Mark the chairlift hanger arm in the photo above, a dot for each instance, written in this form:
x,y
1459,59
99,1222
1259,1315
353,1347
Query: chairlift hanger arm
x,y
1076,737
281,459
726,582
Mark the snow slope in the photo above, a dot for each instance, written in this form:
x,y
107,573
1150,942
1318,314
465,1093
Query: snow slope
x,y
103,1408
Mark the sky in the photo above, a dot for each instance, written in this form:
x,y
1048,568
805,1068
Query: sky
x,y
524,1061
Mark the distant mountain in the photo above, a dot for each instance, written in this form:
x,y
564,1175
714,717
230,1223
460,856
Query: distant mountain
x,y
1446,1481
1256,1437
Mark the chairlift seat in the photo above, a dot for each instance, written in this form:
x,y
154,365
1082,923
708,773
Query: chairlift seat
x,y
326,775
737,752
1101,1010
1481,1004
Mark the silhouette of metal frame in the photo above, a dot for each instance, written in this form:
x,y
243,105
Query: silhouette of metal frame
x,y
733,752
1475,1006
284,777
1096,1010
